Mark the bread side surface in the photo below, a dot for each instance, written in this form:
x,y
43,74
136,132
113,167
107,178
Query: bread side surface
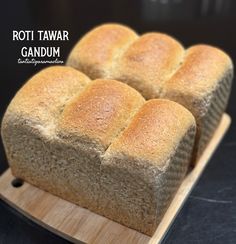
x,y
144,166
95,53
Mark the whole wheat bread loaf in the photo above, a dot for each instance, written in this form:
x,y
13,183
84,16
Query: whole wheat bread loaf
x,y
158,66
99,144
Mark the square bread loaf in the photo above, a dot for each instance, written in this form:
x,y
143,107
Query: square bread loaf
x,y
158,66
99,144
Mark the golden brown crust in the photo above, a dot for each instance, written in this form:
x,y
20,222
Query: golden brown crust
x,y
148,135
95,52
201,71
43,95
101,111
149,61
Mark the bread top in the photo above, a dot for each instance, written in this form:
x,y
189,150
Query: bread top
x,y
99,113
155,64
150,60
192,84
43,96
154,133
95,52
200,71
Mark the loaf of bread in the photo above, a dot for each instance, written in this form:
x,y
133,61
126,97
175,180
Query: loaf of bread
x,y
99,144
158,66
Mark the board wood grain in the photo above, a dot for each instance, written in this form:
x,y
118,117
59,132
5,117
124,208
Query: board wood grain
x,y
78,224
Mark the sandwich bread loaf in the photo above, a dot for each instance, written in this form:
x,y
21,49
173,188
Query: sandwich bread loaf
x,y
98,144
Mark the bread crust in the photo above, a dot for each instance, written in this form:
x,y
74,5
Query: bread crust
x,y
200,72
101,111
149,62
96,51
147,135
43,96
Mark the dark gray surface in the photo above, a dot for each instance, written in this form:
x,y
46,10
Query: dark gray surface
x,y
209,215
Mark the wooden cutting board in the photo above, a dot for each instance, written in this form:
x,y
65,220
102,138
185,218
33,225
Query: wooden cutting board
x,y
78,224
